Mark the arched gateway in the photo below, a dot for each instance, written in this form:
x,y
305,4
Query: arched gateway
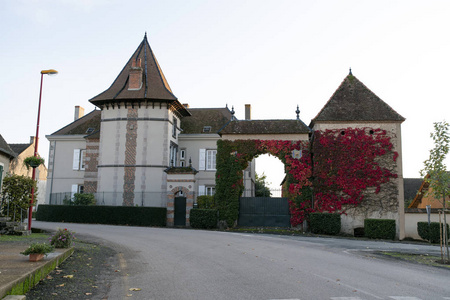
x,y
243,141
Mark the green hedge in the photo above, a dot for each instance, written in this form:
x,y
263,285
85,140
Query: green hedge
x,y
379,229
325,223
432,233
114,215
203,218
206,202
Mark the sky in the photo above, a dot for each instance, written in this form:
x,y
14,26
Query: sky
x,y
273,55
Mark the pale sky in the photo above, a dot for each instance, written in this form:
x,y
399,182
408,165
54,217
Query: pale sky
x,y
270,54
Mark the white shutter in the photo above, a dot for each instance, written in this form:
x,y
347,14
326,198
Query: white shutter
x,y
74,190
202,159
201,190
76,159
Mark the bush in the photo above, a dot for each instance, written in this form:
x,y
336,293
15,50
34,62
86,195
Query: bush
x,y
203,218
84,199
114,215
37,248
63,238
206,202
432,233
379,229
325,223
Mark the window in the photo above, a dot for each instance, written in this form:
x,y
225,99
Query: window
x,y
77,188
173,154
211,159
207,160
210,190
182,163
79,157
174,128
206,129
182,154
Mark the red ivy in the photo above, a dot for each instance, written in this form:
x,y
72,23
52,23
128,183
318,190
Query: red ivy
x,y
345,165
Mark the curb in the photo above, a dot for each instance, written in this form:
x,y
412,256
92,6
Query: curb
x,y
28,280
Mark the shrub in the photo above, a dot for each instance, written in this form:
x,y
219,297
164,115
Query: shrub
x,y
379,228
206,202
37,248
325,223
99,214
431,233
63,238
84,199
203,218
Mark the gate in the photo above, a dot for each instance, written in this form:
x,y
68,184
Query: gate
x,y
179,218
264,212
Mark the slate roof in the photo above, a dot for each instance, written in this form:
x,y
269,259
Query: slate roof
x,y
201,117
80,126
353,101
411,186
19,148
5,148
154,88
265,127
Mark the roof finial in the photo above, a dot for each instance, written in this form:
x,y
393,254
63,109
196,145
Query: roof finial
x,y
145,36
298,113
232,113
350,73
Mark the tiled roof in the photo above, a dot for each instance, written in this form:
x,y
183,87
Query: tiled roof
x,y
19,148
216,118
81,126
265,127
154,84
353,101
4,148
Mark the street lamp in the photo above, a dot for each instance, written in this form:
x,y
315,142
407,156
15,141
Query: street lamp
x,y
33,176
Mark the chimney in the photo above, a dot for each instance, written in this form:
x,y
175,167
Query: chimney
x,y
135,80
248,112
79,112
32,139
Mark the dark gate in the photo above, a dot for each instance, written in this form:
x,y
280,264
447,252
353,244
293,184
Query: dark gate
x,y
264,212
179,218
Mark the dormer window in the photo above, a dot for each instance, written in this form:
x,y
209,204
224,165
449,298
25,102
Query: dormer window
x,y
206,129
90,130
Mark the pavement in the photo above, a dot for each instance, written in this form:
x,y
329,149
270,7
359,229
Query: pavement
x,y
18,275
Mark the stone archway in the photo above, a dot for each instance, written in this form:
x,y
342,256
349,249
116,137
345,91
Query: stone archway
x,y
233,157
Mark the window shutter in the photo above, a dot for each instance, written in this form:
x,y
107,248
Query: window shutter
x,y
202,159
201,190
1,176
74,190
76,159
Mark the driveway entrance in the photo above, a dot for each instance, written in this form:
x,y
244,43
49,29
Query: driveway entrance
x,y
264,212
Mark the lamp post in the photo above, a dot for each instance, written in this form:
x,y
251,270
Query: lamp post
x,y
36,142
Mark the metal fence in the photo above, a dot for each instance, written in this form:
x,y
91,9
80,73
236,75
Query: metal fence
x,y
150,199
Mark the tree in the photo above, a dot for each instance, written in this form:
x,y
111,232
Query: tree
x,y
261,186
16,193
438,177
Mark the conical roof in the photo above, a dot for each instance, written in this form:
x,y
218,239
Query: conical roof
x,y
353,101
154,84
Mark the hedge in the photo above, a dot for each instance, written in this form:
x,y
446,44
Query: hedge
x,y
114,215
325,223
433,233
206,202
379,228
203,218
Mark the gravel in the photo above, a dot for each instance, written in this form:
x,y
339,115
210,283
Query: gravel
x,y
87,274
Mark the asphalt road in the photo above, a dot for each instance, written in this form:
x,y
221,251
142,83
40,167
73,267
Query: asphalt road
x,y
193,264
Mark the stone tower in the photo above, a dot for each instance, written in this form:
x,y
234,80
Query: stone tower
x,y
139,131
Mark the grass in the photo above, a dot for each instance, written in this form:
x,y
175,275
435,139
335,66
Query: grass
x,y
423,259
26,239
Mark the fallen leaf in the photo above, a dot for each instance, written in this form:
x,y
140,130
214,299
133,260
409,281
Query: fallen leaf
x,y
117,271
135,289
94,286
88,294
60,285
54,294
354,291
129,295
338,279
68,276
49,277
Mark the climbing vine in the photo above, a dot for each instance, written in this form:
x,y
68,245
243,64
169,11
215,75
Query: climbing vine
x,y
346,163
233,157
